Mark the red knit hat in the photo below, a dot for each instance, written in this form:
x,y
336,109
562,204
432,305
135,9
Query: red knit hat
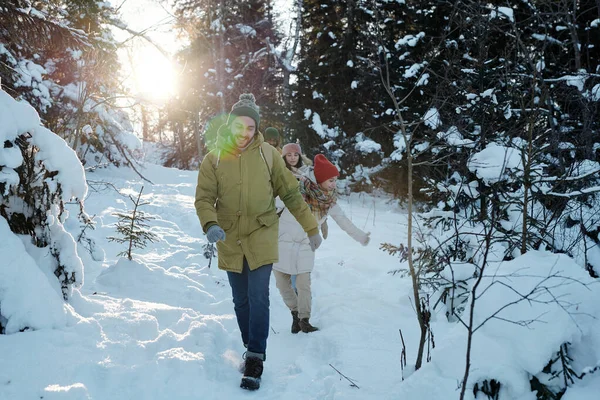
x,y
324,169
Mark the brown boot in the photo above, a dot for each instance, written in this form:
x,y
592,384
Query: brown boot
x,y
306,327
295,322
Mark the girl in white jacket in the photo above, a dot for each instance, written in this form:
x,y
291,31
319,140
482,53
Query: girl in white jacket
x,y
318,186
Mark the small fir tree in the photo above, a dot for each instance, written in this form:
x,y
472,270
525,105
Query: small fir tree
x,y
133,228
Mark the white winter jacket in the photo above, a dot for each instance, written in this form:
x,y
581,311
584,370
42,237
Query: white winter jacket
x,y
295,255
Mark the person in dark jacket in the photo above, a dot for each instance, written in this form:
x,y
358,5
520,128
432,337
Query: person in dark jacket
x,y
273,137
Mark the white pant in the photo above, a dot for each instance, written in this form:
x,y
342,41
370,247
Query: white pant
x,y
300,302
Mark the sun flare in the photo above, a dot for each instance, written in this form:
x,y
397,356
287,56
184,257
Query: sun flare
x,y
154,74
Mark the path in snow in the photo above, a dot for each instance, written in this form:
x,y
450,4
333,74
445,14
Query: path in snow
x,y
164,327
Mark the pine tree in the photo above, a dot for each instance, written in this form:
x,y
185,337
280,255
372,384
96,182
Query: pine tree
x,y
38,174
133,228
71,80
337,90
230,53
480,87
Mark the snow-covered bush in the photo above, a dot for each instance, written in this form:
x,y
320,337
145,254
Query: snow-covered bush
x,y
61,58
534,324
38,174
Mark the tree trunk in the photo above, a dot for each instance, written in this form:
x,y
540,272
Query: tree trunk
x,y
413,272
220,59
145,125
574,36
198,135
287,65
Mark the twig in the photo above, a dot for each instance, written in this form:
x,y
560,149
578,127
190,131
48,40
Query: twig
x,y
92,185
94,167
212,252
352,384
402,354
87,225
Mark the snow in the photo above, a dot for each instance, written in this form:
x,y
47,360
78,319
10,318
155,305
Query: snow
x,y
595,23
400,145
323,130
507,112
543,38
454,138
162,325
559,310
503,12
246,30
413,70
493,163
576,80
58,156
588,390
409,40
432,118
595,93
67,256
26,296
350,63
317,95
19,118
540,66
216,25
10,177
366,145
488,93
354,85
11,157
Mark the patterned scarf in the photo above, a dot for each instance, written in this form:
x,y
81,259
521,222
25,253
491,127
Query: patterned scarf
x,y
318,201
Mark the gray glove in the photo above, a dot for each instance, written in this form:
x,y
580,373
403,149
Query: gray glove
x,y
215,233
324,229
315,241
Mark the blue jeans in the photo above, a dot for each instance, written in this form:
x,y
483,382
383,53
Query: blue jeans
x,y
250,291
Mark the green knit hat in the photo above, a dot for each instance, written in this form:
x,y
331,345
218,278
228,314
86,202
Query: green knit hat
x,y
246,107
272,133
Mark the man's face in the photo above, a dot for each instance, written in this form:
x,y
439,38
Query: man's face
x,y
243,130
272,142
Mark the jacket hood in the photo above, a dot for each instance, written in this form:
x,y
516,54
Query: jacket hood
x,y
310,174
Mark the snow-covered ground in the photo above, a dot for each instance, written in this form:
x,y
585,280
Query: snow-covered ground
x,y
162,326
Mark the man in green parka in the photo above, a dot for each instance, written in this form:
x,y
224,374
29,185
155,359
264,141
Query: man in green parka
x,y
235,201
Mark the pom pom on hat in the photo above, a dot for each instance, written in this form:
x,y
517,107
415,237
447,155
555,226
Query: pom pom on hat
x,y
324,169
291,148
246,107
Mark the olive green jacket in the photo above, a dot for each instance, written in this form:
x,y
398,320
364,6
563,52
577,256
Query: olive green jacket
x,y
236,190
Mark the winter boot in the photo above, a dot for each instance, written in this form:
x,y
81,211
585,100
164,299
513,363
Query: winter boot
x,y
252,373
295,322
306,327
